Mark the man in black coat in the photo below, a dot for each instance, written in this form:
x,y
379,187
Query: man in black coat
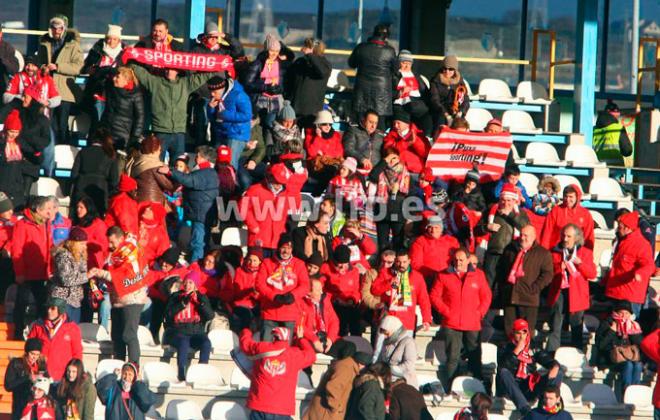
x,y
309,76
376,62
8,62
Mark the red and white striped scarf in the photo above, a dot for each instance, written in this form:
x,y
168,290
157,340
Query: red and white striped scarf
x,y
568,258
625,326
12,150
517,268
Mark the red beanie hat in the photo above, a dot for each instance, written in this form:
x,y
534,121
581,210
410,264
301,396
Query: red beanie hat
x,y
224,154
520,324
126,183
279,173
630,220
13,121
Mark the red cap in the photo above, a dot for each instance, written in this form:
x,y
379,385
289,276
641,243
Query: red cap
x,y
126,183
224,154
630,220
279,173
13,121
520,324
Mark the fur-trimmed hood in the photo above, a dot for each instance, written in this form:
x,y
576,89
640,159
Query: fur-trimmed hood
x,y
70,35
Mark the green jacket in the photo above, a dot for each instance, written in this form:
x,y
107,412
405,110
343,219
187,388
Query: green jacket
x,y
85,404
169,100
69,62
367,401
606,143
259,152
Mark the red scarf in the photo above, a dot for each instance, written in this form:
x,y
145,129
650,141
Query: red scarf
x,y
625,327
570,270
517,268
204,165
44,410
319,323
53,326
12,151
524,358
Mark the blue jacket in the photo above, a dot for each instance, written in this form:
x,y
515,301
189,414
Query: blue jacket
x,y
541,414
527,200
234,122
200,189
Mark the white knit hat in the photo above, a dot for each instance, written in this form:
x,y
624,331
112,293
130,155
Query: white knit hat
x,y
114,30
43,384
391,324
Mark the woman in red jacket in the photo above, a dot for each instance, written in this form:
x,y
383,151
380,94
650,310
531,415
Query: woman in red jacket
x,y
325,150
87,218
240,293
152,233
412,144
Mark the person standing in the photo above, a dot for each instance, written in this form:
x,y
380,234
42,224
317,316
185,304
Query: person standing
x,y
22,372
449,93
412,144
122,207
13,147
525,269
411,93
123,112
431,253
70,272
151,184
8,62
309,76
59,50
611,142
569,211
159,39
376,64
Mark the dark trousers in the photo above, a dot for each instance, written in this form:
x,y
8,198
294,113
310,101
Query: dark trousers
x,y
268,325
246,177
513,312
30,296
260,415
557,314
419,114
517,389
350,320
183,343
454,342
172,143
157,314
125,323
60,122
490,267
394,222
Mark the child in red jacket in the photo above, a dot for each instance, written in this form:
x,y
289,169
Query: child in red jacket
x,y
240,293
319,318
41,402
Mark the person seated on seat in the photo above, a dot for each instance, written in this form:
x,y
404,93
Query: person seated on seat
x,y
512,176
517,378
187,313
480,404
552,407
41,405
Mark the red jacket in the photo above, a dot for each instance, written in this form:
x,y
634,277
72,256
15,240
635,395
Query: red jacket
x,y
462,303
342,286
123,212
651,347
270,283
7,232
562,215
633,255
241,291
66,344
265,214
382,287
328,315
97,243
578,282
431,256
413,149
30,248
275,373
360,250
298,177
318,146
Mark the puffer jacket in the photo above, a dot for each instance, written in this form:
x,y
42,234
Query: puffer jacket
x,y
376,64
178,302
69,62
234,121
124,114
443,94
58,347
361,145
400,353
68,277
152,185
309,77
200,188
254,84
30,248
632,256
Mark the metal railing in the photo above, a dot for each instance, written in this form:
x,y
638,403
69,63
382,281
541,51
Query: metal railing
x,y
641,69
552,64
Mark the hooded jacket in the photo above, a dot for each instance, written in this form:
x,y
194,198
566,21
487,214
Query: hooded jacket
x,y
414,148
58,347
123,212
632,256
264,227
431,256
382,287
30,248
562,215
152,237
367,399
110,394
578,281
275,373
462,302
233,122
538,273
270,284
376,64
69,62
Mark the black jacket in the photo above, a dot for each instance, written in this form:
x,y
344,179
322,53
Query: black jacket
x,y
109,392
299,235
474,200
124,114
18,382
177,303
376,64
360,145
506,359
407,403
255,86
606,339
97,75
443,93
309,77
8,63
94,174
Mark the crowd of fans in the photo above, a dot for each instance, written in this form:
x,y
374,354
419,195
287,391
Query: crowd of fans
x,y
140,242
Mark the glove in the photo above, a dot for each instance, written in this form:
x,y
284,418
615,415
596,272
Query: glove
x,y
284,299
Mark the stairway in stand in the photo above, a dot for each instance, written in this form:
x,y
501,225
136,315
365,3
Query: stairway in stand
x,y
9,348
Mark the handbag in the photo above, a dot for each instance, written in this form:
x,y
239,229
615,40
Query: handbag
x,y
625,353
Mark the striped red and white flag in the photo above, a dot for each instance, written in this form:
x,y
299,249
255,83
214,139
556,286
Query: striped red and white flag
x,y
456,152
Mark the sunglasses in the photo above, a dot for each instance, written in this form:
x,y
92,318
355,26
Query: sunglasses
x,y
448,69
325,125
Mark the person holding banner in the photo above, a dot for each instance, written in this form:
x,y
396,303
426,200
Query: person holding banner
x,y
160,38
128,276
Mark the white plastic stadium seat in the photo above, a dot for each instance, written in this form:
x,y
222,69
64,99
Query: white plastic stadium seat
x,y
228,410
519,122
532,92
447,416
478,118
223,341
489,355
183,410
20,59
641,396
234,236
495,90
567,395
64,156
204,376
516,156
565,181
93,333
161,374
539,153
598,394
239,380
99,410
601,229
471,94
145,338
107,366
80,123
530,182
465,386
48,186
338,80
582,156
428,84
573,360
607,189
